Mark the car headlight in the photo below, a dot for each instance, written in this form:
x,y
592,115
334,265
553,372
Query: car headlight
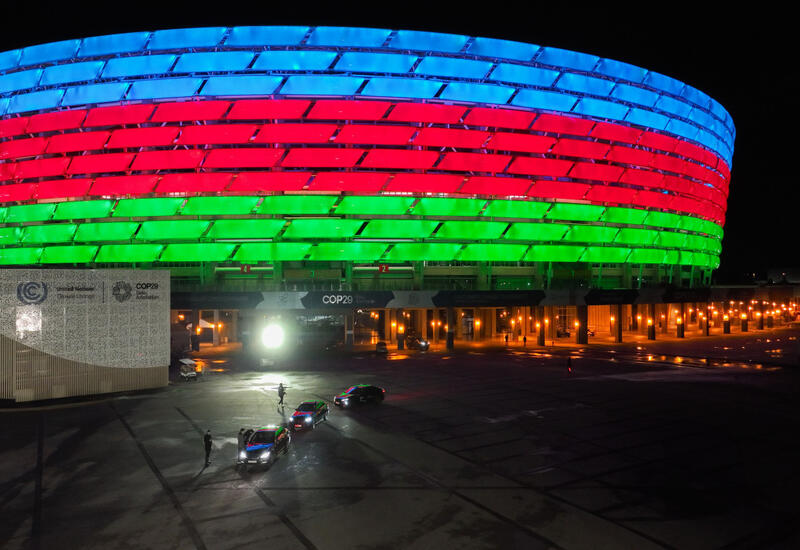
x,y
344,401
308,419
243,455
265,455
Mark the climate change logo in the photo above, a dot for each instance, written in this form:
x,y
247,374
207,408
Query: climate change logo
x,y
121,291
32,292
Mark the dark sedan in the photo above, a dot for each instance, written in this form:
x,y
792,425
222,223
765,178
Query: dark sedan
x,y
264,445
308,414
358,395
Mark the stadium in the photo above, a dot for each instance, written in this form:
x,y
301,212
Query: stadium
x,y
275,160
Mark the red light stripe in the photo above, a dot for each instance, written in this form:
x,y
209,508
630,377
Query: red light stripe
x,y
424,183
81,141
400,158
337,109
143,137
11,127
540,167
499,118
322,158
449,137
616,132
488,185
645,178
427,112
216,134
243,158
375,134
118,115
563,125
504,141
580,148
605,193
120,186
40,168
356,182
20,148
168,160
629,155
98,164
257,109
558,190
295,133
190,111
255,182
17,192
62,189
599,172
474,162
59,120
193,183
658,141
654,200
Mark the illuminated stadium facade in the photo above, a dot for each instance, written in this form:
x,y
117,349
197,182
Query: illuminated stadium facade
x,y
298,158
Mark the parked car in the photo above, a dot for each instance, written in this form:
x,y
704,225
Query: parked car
x,y
359,395
381,348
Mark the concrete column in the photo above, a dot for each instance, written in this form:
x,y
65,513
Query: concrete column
x,y
459,328
541,327
680,321
491,325
761,316
706,319
618,310
582,316
451,321
650,321
215,329
349,329
401,329
634,320
195,327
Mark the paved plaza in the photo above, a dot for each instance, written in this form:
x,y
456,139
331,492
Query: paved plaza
x,y
488,447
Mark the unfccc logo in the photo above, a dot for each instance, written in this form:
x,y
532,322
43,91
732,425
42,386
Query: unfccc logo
x,y
337,299
121,291
32,292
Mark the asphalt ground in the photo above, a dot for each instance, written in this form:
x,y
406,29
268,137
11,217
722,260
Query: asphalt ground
x,y
492,448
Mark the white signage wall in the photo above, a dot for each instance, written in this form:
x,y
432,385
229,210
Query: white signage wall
x,y
79,319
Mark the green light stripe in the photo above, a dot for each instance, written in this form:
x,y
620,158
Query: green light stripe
x,y
80,254
140,208
575,212
384,206
605,254
245,229
44,234
129,253
516,209
647,256
399,229
78,210
471,230
631,216
266,252
670,239
554,253
284,205
355,252
322,228
30,213
629,235
663,219
219,206
197,252
522,231
10,235
118,231
591,234
3,212
165,230
448,207
493,252
19,256
434,252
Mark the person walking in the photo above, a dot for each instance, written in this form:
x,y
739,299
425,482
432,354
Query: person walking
x,y
281,393
207,444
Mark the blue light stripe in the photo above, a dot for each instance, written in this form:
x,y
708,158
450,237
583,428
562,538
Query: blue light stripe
x,y
539,99
478,93
266,36
240,85
94,93
567,58
22,80
294,61
138,66
321,85
54,51
207,62
524,75
375,62
186,38
73,72
163,88
428,41
113,43
412,88
506,49
348,36
453,67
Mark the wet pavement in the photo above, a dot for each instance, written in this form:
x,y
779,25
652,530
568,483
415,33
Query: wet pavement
x,y
484,448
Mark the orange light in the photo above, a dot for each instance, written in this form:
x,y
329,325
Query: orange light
x,y
663,316
679,321
612,318
181,317
219,326
546,320
477,322
649,322
401,329
199,330
744,316
676,311
538,324
394,324
758,314
439,323
638,317
577,324
725,317
512,322
433,323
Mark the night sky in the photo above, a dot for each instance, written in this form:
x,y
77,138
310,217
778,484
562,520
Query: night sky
x,y
745,60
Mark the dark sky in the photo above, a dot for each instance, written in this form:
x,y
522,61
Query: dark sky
x,y
747,60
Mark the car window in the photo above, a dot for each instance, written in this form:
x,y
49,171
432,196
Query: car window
x,y
261,438
306,407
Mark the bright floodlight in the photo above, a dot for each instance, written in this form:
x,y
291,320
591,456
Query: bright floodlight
x,y
272,336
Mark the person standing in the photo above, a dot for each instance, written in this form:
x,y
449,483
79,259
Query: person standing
x,y
207,444
240,442
281,393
